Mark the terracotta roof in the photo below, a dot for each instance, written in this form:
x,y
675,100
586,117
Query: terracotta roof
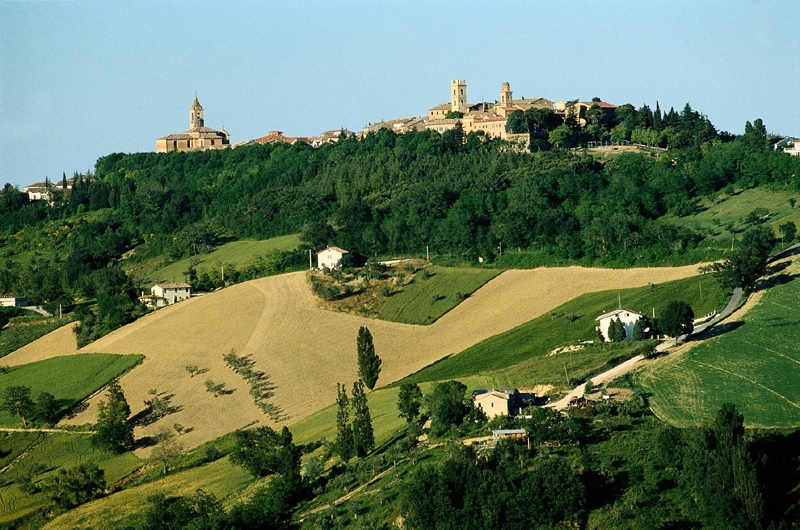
x,y
337,249
173,285
617,311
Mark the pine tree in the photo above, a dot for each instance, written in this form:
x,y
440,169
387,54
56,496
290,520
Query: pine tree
x,y
363,436
369,364
344,432
616,330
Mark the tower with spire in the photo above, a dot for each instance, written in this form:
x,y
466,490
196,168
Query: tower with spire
x,y
196,114
197,138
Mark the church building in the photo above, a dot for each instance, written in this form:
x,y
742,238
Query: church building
x,y
197,138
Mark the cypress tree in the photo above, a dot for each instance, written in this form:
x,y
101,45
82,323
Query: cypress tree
x,y
363,435
344,432
638,331
369,364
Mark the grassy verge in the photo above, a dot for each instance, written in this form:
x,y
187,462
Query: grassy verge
x,y
523,351
434,291
755,364
17,335
70,378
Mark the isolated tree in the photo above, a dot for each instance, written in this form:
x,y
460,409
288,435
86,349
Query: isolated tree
x,y
17,400
792,202
345,446
46,408
193,369
369,364
263,451
409,401
637,333
166,449
616,330
788,231
113,430
677,319
363,435
747,264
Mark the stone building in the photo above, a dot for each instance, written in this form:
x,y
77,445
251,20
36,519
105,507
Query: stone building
x,y
197,138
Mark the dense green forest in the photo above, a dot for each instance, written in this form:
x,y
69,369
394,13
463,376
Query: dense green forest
x,y
385,194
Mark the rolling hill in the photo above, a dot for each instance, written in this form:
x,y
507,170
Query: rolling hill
x,y
307,350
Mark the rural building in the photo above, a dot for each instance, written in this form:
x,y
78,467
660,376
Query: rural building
x,y
515,434
330,258
626,316
163,294
794,149
197,138
502,402
13,302
39,191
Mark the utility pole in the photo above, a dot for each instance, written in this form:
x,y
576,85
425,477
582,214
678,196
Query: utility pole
x,y
427,254
310,265
565,373
222,267
619,301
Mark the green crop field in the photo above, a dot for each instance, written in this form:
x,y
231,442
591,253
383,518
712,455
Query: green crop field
x,y
70,378
54,451
756,366
233,254
434,291
519,356
126,508
717,219
18,335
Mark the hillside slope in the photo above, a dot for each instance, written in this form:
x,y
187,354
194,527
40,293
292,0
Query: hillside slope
x,y
307,350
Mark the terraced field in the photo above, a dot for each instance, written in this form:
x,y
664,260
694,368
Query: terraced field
x,y
756,365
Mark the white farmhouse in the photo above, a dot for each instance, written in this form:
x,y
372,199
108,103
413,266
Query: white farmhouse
x,y
330,257
163,294
13,302
626,316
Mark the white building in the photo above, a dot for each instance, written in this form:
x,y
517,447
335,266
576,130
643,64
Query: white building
x,y
794,150
493,403
330,257
626,316
162,294
13,302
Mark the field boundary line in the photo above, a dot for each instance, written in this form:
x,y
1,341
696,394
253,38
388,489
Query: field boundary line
x,y
768,349
748,380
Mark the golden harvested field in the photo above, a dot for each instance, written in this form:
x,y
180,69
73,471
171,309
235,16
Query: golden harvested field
x,y
306,350
59,342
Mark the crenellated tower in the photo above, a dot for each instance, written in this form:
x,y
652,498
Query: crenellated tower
x,y
458,101
506,100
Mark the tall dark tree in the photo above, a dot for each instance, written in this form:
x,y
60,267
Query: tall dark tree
x,y
363,435
409,401
446,405
638,331
369,364
114,432
788,232
749,262
616,330
345,445
46,408
677,319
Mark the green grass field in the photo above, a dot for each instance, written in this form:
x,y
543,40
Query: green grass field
x,y
233,254
756,366
54,451
434,291
18,335
718,218
519,356
70,378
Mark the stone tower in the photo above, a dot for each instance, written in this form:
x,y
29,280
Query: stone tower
x,y
505,95
458,101
196,115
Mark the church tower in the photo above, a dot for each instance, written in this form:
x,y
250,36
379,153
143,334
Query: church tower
x,y
458,101
196,114
505,95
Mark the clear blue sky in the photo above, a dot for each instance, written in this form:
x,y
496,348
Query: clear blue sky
x,y
79,80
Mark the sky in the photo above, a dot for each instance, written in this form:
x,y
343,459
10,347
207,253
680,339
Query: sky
x,y
82,79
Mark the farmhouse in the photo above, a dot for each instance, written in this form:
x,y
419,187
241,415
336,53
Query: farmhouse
x,y
502,402
163,294
330,258
626,316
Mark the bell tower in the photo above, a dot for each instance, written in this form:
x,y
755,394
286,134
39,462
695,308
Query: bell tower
x,y
505,95
458,95
196,114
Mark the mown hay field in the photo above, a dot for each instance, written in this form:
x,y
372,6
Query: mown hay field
x,y
755,364
18,335
434,291
306,350
70,379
